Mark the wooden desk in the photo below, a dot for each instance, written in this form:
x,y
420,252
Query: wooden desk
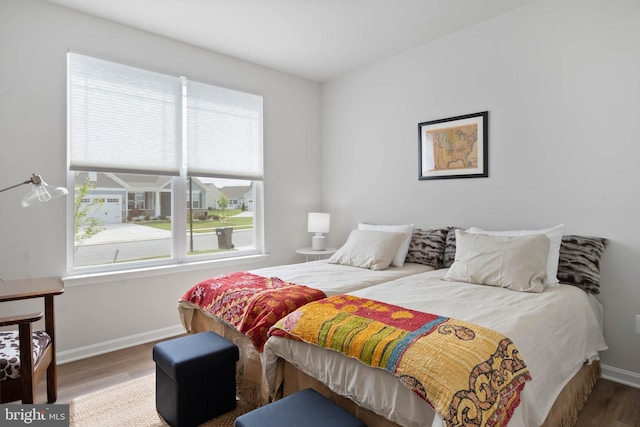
x,y
47,288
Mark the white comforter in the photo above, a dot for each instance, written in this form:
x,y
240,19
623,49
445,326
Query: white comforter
x,y
335,279
555,332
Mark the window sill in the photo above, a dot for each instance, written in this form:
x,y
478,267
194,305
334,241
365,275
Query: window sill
x,y
110,276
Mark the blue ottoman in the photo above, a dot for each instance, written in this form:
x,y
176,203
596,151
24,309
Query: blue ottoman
x,y
306,408
195,378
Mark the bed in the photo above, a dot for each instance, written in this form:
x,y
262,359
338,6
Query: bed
x,y
557,330
330,278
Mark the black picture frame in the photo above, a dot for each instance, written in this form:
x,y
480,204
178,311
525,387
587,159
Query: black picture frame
x,y
455,147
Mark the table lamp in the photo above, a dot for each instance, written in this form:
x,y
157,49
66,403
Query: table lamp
x,y
318,223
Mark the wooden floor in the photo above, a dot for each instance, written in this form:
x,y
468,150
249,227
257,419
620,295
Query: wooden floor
x,y
88,375
610,405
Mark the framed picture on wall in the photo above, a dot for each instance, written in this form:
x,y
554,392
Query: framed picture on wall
x,y
454,148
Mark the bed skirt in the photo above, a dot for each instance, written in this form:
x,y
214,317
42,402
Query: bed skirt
x,y
250,385
573,396
564,411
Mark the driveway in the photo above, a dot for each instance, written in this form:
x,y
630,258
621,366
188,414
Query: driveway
x,y
127,232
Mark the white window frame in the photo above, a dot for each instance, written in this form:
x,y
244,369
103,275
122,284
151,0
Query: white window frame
x,y
179,257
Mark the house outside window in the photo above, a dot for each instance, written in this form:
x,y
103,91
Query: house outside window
x,y
150,156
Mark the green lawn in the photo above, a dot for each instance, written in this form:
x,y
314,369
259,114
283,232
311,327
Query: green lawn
x,y
209,225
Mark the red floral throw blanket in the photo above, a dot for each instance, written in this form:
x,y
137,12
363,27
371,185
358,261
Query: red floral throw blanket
x,y
469,374
250,303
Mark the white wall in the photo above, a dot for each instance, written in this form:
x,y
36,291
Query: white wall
x,y
561,82
34,39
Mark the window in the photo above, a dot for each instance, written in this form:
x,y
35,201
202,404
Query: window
x,y
194,199
141,200
154,160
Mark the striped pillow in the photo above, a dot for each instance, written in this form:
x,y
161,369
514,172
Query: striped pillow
x,y
579,263
427,247
450,248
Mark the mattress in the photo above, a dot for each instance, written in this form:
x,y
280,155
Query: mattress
x,y
555,332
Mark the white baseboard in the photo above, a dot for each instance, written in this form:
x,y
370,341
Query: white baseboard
x,y
117,344
621,376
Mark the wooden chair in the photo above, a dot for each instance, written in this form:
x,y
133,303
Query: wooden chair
x,y
30,371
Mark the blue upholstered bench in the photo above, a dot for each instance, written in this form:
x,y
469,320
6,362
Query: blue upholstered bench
x,y
195,378
306,408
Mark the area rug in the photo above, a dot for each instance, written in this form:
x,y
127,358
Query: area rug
x,y
132,404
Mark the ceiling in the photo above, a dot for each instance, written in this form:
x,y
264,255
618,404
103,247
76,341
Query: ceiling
x,y
313,39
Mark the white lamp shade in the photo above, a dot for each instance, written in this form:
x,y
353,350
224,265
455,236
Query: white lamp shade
x,y
318,222
42,193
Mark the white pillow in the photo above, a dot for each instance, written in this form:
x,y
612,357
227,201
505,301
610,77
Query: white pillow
x,y
368,249
401,254
518,263
555,239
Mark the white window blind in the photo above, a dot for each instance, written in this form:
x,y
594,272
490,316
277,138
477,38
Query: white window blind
x,y
122,118
224,132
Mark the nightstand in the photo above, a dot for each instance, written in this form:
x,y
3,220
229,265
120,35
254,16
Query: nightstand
x,y
308,252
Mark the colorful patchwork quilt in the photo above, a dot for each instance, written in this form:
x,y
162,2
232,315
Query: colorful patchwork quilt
x,y
469,374
250,303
